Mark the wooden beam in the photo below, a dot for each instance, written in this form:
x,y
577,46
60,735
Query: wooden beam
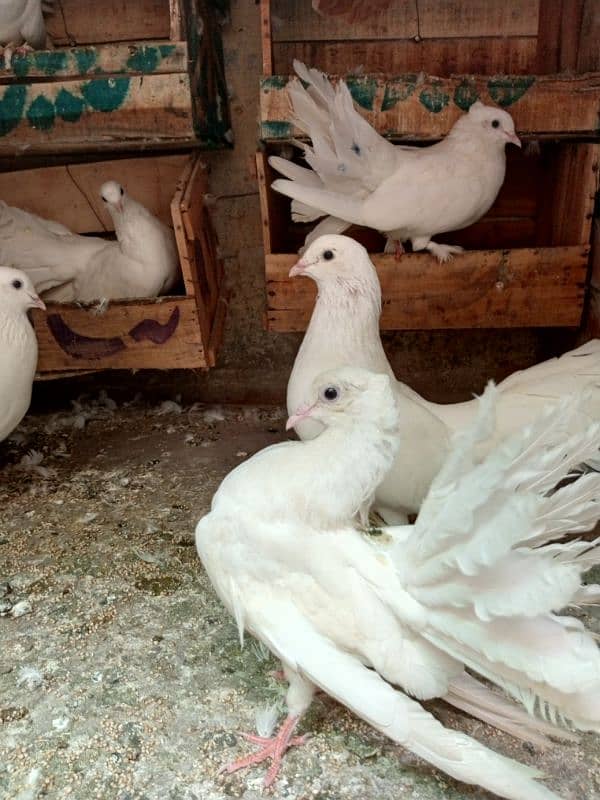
x,y
425,107
100,21
133,58
266,37
559,32
134,334
479,289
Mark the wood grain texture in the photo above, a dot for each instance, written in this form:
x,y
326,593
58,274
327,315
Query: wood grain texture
x,y
480,289
71,193
97,21
425,108
489,55
266,37
183,349
588,56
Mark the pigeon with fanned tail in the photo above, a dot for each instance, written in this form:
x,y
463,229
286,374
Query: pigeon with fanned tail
x,y
473,585
344,330
18,347
408,193
66,267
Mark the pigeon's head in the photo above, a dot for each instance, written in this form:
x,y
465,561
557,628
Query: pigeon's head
x,y
113,195
17,293
339,262
346,396
497,125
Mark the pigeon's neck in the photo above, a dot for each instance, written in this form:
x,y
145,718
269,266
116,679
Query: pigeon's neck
x,y
355,459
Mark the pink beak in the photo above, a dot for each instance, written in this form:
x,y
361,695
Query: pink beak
x,y
298,268
302,412
37,302
514,139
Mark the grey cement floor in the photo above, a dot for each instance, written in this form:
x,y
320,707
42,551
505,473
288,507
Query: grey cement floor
x,y
121,677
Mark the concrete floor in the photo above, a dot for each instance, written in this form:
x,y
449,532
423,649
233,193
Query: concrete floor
x,y
121,676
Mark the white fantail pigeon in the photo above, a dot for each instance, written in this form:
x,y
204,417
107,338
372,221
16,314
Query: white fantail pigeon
x,y
475,584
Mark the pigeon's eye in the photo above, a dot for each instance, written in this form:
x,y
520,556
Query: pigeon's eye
x,y
17,284
122,191
104,198
331,394
328,255
495,123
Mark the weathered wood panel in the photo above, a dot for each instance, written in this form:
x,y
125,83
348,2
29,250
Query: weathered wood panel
x,y
588,57
133,58
97,21
128,335
71,193
576,184
515,55
426,107
104,113
480,289
295,20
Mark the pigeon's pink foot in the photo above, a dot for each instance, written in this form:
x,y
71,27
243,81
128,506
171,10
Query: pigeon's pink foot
x,y
273,748
398,250
23,49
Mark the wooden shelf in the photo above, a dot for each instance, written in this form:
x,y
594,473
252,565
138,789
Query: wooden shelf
x,y
130,82
180,331
420,107
530,287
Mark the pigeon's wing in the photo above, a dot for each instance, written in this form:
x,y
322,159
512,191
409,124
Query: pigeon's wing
x,y
33,27
487,561
288,634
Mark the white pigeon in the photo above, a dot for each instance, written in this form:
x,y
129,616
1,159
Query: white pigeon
x,y
474,584
66,267
344,330
18,347
407,193
22,25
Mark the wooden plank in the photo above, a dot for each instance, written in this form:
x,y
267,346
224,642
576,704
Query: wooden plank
x,y
104,113
425,107
133,58
575,186
176,31
130,335
71,193
480,289
588,57
266,37
558,35
444,57
478,18
98,21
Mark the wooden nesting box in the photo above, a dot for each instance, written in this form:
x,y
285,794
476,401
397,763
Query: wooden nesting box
x,y
123,75
528,259
179,331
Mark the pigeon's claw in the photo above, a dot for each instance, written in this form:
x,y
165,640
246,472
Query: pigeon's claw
x,y
443,252
273,748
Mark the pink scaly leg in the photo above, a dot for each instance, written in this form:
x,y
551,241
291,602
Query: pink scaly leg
x,y
398,250
273,748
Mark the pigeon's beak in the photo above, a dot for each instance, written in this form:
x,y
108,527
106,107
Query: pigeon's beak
x,y
298,268
37,302
513,139
302,412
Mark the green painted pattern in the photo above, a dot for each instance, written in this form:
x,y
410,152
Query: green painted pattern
x,y
85,58
276,130
397,90
466,94
274,82
41,114
12,105
50,61
166,50
434,98
145,59
363,91
69,107
507,90
106,94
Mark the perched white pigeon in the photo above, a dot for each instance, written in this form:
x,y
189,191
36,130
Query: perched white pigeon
x,y
18,347
22,25
344,330
474,584
66,267
407,193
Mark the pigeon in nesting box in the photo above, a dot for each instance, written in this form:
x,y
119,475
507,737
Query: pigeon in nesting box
x,y
472,585
18,347
22,26
66,267
407,193
344,330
